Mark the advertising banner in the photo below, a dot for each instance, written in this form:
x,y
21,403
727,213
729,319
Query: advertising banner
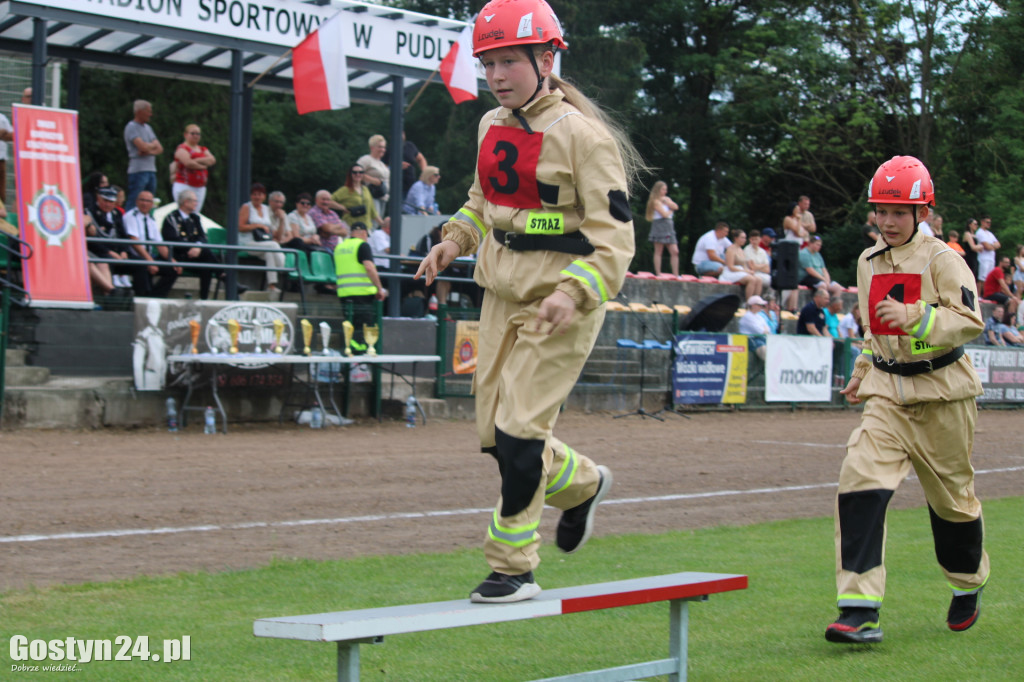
x,y
709,369
49,206
798,369
1001,371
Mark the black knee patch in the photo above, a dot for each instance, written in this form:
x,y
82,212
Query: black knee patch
x,y
521,462
862,528
957,545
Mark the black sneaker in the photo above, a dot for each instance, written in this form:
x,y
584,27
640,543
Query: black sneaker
x,y
964,610
500,588
576,524
855,626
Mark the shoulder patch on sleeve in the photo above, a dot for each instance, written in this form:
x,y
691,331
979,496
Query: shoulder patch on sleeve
x,y
618,204
548,193
967,296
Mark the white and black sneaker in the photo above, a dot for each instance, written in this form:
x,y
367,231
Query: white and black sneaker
x,y
576,524
500,588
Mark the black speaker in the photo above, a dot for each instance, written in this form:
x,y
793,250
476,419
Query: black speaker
x,y
785,263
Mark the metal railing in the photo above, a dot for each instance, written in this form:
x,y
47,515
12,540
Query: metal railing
x,y
23,250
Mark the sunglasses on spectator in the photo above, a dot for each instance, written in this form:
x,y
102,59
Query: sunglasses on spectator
x,y
355,172
303,203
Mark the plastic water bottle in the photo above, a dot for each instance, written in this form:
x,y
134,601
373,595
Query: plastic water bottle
x,y
410,412
316,418
172,415
209,421
432,303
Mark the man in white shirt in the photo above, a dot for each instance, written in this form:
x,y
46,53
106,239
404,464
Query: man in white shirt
x,y
709,254
754,326
989,245
380,243
139,224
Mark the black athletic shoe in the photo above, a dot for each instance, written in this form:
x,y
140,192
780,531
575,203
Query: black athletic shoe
x,y
576,524
964,610
500,588
855,626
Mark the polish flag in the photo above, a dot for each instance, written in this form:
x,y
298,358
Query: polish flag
x,y
458,70
319,71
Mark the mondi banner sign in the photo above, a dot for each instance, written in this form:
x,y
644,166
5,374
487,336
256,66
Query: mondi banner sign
x,y
278,22
798,369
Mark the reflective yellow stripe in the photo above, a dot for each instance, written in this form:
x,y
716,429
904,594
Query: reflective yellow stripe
x,y
470,218
514,537
924,327
587,274
866,351
861,598
565,474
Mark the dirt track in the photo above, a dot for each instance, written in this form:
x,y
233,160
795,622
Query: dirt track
x,y
152,502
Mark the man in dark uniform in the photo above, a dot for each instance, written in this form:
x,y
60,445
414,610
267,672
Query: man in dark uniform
x,y
109,223
184,226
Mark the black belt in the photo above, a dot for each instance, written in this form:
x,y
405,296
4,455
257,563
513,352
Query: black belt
x,y
574,242
909,369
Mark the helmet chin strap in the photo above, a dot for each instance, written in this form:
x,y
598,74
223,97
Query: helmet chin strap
x,y
889,247
540,85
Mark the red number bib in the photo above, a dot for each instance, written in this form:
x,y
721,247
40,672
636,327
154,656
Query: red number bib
x,y
903,287
507,167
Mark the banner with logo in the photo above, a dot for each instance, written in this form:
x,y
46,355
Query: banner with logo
x,y
1001,371
798,369
709,369
467,334
49,206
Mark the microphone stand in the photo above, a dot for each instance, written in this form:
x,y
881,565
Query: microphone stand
x,y
669,407
644,331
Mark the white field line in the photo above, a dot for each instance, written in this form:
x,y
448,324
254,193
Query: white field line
x,y
172,530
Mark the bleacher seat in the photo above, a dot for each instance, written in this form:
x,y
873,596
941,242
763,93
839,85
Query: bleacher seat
x,y
689,278
668,277
708,280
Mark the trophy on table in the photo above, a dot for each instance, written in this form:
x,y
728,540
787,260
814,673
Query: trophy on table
x,y
278,330
349,330
257,332
233,332
371,334
325,335
307,336
193,327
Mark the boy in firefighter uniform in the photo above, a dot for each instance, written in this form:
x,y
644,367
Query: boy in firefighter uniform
x,y
920,412
549,218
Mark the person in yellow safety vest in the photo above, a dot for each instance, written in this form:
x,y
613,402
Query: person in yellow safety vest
x,y
918,388
548,216
358,281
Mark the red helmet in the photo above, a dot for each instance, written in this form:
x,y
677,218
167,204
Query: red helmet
x,y
901,180
502,23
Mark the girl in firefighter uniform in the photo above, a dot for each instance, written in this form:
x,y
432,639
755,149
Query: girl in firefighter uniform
x,y
549,219
920,388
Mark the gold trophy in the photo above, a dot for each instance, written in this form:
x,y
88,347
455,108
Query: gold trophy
x,y
325,335
307,336
370,335
193,326
278,330
233,331
257,333
349,330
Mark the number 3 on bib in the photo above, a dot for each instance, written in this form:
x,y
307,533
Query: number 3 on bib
x,y
507,167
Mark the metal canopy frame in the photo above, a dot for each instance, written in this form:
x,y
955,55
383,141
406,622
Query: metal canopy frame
x,y
101,41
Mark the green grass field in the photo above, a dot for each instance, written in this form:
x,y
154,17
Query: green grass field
x,y
772,631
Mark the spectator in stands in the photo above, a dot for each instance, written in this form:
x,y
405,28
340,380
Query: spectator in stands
x,y
737,270
1018,273
997,333
378,174
6,135
997,288
937,226
380,243
302,232
121,197
833,313
255,228
815,274
413,163
139,224
870,231
770,312
420,200
758,260
278,218
989,245
806,217
183,226
793,230
441,288
767,237
191,167
329,226
971,246
358,282
850,328
92,183
954,242
755,326
709,254
812,316
660,210
143,148
100,277
108,222
353,198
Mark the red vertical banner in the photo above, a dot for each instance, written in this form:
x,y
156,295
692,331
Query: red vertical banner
x,y
49,206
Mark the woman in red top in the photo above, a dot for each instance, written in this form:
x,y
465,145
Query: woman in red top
x,y
191,166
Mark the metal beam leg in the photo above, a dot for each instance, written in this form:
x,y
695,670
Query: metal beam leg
x,y
678,637
348,661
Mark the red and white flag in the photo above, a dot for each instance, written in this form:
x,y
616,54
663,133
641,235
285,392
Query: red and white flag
x,y
458,70
319,71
